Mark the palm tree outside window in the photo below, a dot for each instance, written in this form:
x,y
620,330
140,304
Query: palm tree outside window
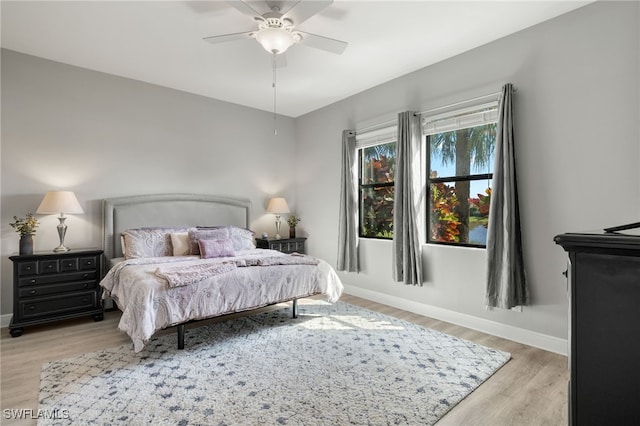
x,y
460,164
459,148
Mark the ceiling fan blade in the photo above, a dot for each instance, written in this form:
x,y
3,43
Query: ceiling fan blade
x,y
303,10
282,5
244,7
228,37
323,43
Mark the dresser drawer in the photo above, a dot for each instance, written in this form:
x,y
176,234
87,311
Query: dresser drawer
x,y
68,265
49,286
57,305
53,266
49,266
27,268
284,245
52,289
288,247
87,263
56,278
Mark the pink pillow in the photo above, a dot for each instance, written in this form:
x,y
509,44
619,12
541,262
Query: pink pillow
x,y
196,235
242,238
216,248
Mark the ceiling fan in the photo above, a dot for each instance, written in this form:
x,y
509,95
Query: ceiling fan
x,y
277,25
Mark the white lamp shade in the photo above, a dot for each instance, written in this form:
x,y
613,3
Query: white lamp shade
x,y
60,202
275,40
278,205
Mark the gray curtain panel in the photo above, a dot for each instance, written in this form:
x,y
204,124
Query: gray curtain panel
x,y
506,278
407,244
348,225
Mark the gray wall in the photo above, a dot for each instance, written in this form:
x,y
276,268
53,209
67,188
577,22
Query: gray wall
x,y
578,134
102,136
578,145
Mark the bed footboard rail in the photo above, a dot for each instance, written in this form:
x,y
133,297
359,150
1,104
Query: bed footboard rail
x,y
180,327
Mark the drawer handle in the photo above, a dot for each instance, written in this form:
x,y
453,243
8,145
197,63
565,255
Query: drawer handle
x,y
85,276
28,268
85,285
33,292
32,307
33,281
49,266
85,300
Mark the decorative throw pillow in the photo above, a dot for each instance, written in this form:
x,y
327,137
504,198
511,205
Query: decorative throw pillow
x,y
148,242
196,234
216,248
180,243
242,238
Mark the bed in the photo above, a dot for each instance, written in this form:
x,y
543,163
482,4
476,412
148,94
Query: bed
x,y
176,258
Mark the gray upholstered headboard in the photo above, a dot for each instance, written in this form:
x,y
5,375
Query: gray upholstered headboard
x,y
167,210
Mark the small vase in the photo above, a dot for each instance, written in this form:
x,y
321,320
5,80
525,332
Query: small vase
x,y
26,244
292,232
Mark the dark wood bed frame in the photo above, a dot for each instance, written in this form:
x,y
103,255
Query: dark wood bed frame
x,y
181,327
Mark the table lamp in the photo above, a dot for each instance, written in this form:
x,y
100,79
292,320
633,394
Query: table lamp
x,y
60,202
277,206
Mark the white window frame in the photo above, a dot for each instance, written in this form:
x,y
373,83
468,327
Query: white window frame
x,y
377,135
452,120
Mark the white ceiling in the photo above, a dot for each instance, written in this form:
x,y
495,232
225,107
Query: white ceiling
x,y
160,42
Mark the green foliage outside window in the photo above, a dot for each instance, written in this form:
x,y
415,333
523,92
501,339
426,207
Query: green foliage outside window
x,y
461,166
461,162
444,221
377,173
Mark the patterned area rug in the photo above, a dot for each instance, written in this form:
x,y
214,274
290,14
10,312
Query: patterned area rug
x,y
333,365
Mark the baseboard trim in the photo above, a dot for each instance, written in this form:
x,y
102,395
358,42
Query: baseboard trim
x,y
5,320
520,335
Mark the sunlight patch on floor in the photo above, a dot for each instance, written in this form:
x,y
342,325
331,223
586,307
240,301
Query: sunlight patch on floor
x,y
347,322
324,323
366,324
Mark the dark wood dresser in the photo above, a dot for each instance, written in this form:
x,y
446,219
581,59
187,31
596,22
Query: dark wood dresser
x,y
54,286
604,333
285,245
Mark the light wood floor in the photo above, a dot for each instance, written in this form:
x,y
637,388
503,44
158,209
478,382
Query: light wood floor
x,y
531,389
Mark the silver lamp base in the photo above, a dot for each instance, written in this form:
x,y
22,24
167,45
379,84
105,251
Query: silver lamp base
x,y
277,227
62,230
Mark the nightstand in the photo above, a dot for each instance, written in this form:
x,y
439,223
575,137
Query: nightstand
x,y
285,245
55,286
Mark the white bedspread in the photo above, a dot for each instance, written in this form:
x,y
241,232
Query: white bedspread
x,y
149,304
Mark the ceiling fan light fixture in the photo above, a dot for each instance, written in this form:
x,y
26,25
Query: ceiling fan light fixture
x,y
275,40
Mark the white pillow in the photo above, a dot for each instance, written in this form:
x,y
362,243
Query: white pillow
x,y
180,243
146,242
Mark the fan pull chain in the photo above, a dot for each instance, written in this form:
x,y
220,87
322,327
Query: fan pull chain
x,y
273,62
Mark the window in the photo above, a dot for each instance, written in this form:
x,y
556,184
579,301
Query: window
x,y
376,171
460,153
459,158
